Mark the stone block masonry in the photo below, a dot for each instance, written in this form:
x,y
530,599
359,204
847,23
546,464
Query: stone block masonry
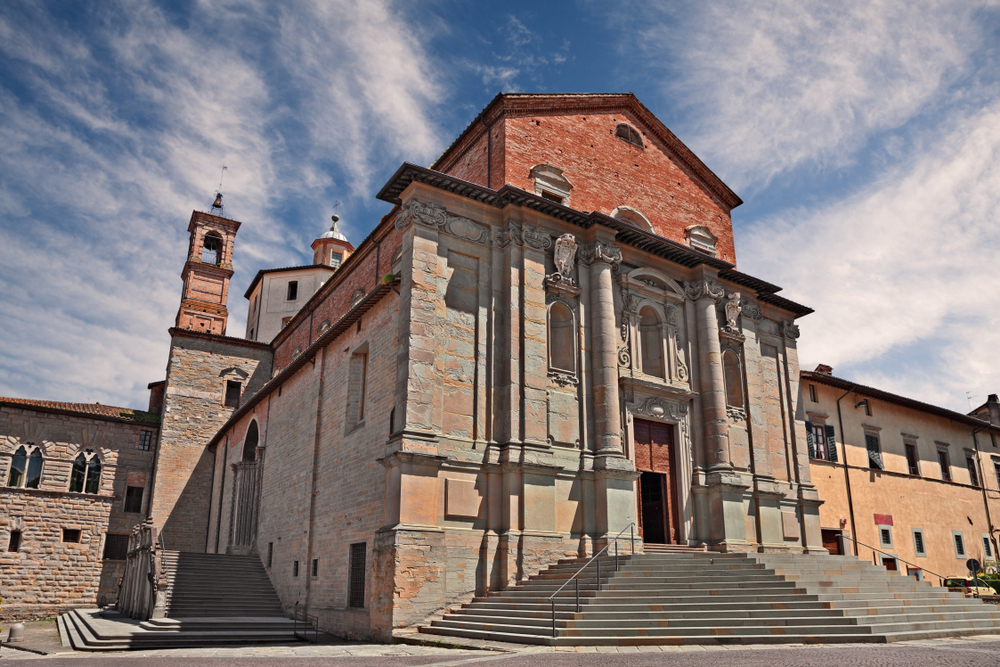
x,y
46,575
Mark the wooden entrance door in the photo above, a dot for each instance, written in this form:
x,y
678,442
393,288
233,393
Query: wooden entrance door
x,y
831,541
656,459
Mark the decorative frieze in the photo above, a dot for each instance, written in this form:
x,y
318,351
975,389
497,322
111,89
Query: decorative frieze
x,y
751,309
790,330
522,235
437,217
601,251
564,379
735,414
702,289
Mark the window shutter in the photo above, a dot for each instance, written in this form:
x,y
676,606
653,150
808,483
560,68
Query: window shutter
x,y
810,441
831,444
871,442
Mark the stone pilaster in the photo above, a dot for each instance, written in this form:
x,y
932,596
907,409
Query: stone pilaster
x,y
706,293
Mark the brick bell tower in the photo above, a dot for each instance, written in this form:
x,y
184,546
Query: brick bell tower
x,y
206,273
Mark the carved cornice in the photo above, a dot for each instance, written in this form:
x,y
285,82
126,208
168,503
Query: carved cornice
x,y
704,289
601,251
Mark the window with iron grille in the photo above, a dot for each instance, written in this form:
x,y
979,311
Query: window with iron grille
x,y
959,545
115,547
885,534
356,593
987,547
145,440
918,543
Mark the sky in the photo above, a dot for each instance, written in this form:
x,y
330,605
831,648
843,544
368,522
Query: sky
x,y
863,137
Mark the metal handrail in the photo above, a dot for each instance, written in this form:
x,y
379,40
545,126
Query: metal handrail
x,y
631,528
307,620
886,553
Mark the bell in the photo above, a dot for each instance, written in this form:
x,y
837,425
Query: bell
x,y
218,201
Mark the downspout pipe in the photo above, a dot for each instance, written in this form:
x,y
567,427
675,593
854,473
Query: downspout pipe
x,y
982,486
847,471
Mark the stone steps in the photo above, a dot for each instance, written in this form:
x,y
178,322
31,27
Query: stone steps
x,y
218,586
87,630
703,598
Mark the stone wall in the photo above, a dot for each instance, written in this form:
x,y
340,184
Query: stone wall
x,y
194,409
46,575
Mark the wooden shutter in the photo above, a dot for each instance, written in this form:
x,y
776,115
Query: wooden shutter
x,y
810,441
874,455
831,444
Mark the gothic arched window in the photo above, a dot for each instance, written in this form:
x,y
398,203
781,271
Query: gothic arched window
x,y
250,444
25,469
86,474
650,343
734,379
562,351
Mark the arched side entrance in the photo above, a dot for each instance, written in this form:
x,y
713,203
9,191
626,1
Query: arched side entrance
x,y
247,476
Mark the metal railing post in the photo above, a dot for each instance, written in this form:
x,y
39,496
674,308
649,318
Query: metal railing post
x,y
598,574
578,595
631,534
553,618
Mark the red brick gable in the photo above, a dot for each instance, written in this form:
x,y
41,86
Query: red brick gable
x,y
663,180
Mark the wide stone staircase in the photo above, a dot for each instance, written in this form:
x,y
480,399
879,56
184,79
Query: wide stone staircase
x,y
211,600
682,596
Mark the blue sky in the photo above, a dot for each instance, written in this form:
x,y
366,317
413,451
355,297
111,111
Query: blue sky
x,y
863,136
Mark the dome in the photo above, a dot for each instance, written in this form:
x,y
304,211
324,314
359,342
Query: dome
x,y
334,233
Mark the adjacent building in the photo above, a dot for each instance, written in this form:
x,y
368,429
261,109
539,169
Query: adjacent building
x,y
911,486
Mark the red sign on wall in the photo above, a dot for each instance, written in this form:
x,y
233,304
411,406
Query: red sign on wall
x,y
883,519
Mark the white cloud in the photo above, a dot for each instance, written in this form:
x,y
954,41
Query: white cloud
x,y
780,84
113,130
902,274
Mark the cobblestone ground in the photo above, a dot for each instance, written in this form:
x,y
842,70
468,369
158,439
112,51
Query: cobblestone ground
x,y
975,651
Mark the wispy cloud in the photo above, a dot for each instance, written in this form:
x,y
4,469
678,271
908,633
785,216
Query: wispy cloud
x,y
521,58
903,272
776,85
115,123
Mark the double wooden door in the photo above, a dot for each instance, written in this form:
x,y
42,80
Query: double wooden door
x,y
655,458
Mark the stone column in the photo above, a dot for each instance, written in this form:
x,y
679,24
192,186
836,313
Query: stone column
x,y
706,294
602,256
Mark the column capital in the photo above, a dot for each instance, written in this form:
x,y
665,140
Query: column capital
x,y
704,289
600,251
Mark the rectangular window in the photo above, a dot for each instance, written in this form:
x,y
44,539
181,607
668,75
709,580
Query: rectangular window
x,y
335,259
270,553
912,461
71,535
812,393
115,547
885,536
996,470
959,544
552,197
819,441
295,568
145,440
987,547
315,567
945,464
15,541
993,440
232,394
133,500
970,463
874,452
293,291
356,591
918,543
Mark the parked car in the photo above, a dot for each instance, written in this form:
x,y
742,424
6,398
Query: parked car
x,y
971,588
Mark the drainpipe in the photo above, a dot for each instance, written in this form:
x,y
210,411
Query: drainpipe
x,y
982,486
847,471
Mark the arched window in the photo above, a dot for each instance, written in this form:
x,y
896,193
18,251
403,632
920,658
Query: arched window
x,y
562,351
629,134
25,469
211,249
632,215
650,343
734,379
86,474
250,444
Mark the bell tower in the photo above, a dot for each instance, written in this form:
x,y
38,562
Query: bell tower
x,y
206,274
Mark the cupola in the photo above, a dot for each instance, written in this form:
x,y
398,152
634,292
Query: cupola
x,y
332,248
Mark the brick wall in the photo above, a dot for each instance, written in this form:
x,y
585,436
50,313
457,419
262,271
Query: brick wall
x,y
47,576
